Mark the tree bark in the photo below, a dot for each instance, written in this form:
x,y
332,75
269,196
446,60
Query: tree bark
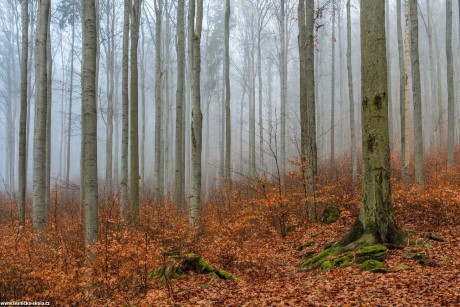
x,y
228,135
158,103
180,114
110,87
375,223
69,124
39,185
195,191
416,93
125,110
333,86
390,83
22,162
283,89
136,15
49,70
354,160
450,86
89,114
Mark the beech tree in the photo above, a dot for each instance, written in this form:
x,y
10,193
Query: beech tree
x,y
41,105
125,109
22,162
89,120
136,16
195,27
375,222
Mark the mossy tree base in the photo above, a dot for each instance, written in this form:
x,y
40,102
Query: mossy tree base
x,y
176,265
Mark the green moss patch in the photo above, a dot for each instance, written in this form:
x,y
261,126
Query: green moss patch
x,y
372,252
330,215
371,265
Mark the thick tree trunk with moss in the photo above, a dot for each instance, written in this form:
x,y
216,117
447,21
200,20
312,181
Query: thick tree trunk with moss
x,y
375,223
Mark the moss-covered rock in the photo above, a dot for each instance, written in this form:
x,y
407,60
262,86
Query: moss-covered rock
x,y
326,265
371,265
372,252
330,215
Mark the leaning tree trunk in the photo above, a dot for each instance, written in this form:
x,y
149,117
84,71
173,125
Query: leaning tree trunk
x,y
416,93
22,169
354,162
39,185
195,191
136,15
89,114
450,86
125,111
375,222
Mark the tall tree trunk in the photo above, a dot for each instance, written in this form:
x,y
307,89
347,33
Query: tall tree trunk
x,y
125,110
158,103
143,114
354,160
307,100
49,68
180,114
110,87
228,135
375,223
260,88
39,185
450,86
283,89
89,114
333,86
417,93
405,133
195,191
22,162
136,15
389,62
69,123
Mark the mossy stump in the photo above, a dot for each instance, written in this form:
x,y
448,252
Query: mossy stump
x,y
330,215
177,265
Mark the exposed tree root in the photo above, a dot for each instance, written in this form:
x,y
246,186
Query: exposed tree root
x,y
363,247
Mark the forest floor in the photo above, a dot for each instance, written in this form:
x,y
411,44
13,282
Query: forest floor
x,y
246,237
278,283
